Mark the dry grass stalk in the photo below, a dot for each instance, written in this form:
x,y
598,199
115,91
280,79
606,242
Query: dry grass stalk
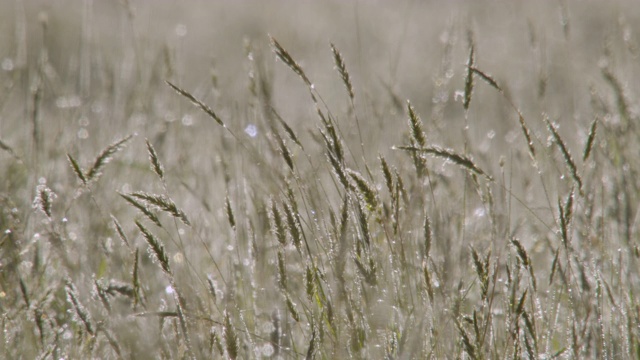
x,y
525,129
565,153
386,172
565,214
157,249
229,212
309,283
468,345
212,287
427,280
115,287
292,135
338,170
216,342
526,261
77,169
156,166
145,210
230,337
527,135
44,200
487,78
468,83
461,160
332,141
415,124
295,315
621,99
428,235
198,103
104,158
136,280
276,223
285,152
368,271
295,231
99,290
282,272
592,135
286,58
531,327
363,222
342,69
482,270
120,231
554,266
163,203
522,253
366,190
80,313
312,348
401,190
36,96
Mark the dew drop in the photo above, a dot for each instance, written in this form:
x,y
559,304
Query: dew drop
x,y
267,350
7,64
187,120
83,134
181,30
480,212
251,130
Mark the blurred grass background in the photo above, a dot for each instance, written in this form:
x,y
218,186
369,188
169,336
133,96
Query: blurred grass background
x,y
77,76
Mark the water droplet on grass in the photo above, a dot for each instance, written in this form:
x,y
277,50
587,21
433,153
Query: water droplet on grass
x,y
267,350
187,120
7,64
181,30
83,133
251,130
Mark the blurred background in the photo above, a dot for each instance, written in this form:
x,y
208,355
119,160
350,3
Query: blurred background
x,y
75,76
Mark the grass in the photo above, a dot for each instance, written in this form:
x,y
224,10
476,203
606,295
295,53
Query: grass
x,y
463,185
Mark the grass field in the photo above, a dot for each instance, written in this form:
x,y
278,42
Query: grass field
x,y
320,179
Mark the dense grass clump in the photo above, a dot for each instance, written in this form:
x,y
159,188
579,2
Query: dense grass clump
x,y
462,182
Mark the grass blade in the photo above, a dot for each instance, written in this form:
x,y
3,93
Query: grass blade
x,y
163,203
286,58
157,249
458,159
197,102
565,153
146,211
156,166
103,159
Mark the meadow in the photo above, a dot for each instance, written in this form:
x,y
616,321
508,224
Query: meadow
x,y
319,179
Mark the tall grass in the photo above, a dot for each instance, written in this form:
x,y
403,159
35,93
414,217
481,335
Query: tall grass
x,y
295,198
